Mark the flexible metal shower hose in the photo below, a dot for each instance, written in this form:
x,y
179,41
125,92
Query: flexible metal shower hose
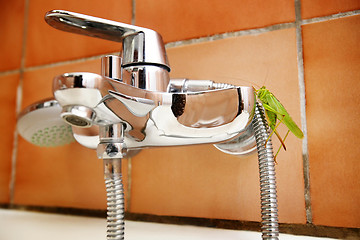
x,y
115,200
269,210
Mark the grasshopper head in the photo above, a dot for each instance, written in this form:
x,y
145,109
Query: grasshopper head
x,y
262,92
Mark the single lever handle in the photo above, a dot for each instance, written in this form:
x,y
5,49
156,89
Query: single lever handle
x,y
141,46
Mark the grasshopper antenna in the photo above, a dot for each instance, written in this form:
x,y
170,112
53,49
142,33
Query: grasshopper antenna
x,y
241,79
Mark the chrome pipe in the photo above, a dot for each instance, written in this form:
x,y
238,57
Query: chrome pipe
x,y
111,67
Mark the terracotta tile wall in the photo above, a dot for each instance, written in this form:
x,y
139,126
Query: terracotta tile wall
x,y
305,52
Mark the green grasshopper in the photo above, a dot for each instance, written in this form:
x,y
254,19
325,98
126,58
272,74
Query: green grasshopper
x,y
274,111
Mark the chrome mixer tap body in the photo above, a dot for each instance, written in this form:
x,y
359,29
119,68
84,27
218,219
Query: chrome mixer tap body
x,y
135,89
153,118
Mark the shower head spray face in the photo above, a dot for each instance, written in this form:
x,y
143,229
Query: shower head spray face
x,y
41,124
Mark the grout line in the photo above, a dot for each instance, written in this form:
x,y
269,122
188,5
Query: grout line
x,y
133,13
231,224
330,17
19,93
301,78
9,72
80,60
56,64
254,31
129,184
129,165
260,30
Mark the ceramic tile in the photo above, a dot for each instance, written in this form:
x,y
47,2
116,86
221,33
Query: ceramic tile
x,y
11,25
9,85
163,183
317,8
178,20
66,176
332,60
200,181
46,44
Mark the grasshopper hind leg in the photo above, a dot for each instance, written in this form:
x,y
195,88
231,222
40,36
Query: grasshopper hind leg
x,y
281,146
271,118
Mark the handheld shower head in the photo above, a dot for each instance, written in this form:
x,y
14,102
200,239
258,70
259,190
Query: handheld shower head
x,y
41,124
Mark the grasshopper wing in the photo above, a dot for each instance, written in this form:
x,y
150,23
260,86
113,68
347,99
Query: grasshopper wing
x,y
292,126
284,115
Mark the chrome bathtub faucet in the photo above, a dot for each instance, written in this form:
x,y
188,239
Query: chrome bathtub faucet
x,y
134,104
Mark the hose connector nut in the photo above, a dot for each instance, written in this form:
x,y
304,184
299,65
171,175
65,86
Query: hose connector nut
x,y
111,150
